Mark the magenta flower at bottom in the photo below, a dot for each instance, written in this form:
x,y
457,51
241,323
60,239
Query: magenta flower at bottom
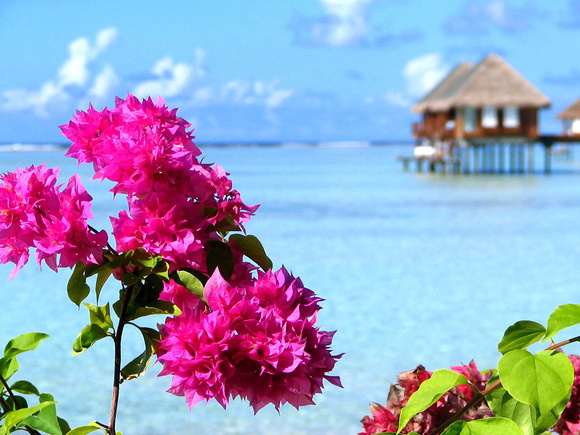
x,y
258,343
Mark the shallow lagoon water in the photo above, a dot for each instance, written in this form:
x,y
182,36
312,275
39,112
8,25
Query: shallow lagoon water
x,y
414,269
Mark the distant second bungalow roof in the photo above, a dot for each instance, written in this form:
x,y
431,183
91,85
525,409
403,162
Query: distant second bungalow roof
x,y
571,112
492,82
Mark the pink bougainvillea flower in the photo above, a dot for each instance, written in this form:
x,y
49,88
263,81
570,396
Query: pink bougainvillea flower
x,y
174,200
35,213
273,352
569,421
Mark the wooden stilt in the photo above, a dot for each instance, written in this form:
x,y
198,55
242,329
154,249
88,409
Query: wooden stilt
x,y
512,158
501,157
492,158
521,150
466,160
476,159
530,158
547,160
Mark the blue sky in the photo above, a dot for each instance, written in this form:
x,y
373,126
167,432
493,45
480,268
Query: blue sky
x,y
267,70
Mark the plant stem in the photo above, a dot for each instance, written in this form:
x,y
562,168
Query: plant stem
x,y
117,369
563,343
10,393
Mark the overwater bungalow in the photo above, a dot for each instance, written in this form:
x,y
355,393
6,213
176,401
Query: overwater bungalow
x,y
486,107
490,99
571,120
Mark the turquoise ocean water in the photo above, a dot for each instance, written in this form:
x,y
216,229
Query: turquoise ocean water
x,y
414,269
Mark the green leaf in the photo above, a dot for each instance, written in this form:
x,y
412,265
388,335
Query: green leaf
x,y
138,366
252,248
102,277
542,380
190,282
83,430
526,416
46,420
220,255
100,315
23,343
8,367
142,258
158,307
429,392
486,426
520,335
13,418
129,279
24,387
77,287
87,337
563,317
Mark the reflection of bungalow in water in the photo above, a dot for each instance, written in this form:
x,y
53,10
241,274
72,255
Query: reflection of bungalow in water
x,y
571,120
487,100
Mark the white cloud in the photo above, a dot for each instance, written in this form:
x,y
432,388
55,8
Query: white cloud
x,y
171,78
104,83
344,23
423,73
251,93
348,24
73,72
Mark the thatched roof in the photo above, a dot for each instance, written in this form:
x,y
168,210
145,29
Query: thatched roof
x,y
492,82
444,90
571,112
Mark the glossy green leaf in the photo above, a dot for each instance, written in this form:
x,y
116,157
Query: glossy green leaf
x,y
252,248
526,416
102,278
428,393
563,317
23,343
520,335
129,279
190,282
46,420
77,287
158,307
13,418
100,315
8,367
113,263
24,387
142,258
87,337
219,255
138,365
542,380
83,430
486,426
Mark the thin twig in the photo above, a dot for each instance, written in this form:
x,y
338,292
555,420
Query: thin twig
x,y
10,393
563,343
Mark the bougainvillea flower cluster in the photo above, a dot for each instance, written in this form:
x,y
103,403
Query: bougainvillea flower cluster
x,y
257,341
386,418
36,213
254,335
174,200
